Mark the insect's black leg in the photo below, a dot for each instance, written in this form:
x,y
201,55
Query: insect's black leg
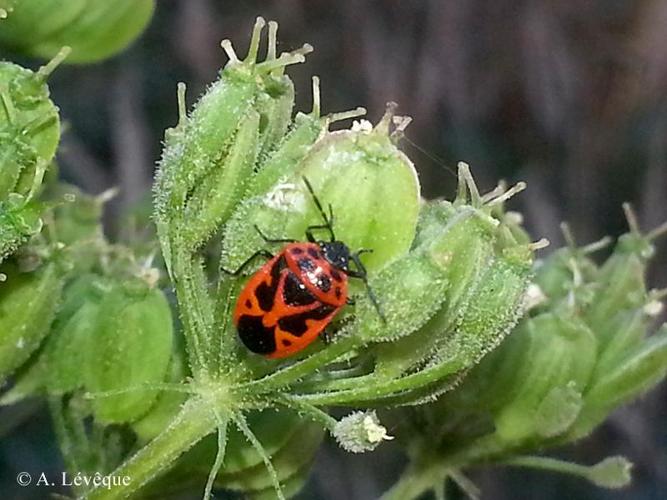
x,y
330,222
328,334
310,229
327,220
350,301
363,275
264,253
272,240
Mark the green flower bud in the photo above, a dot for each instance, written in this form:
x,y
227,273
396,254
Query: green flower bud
x,y
633,374
360,432
77,216
295,145
487,274
71,344
209,203
36,20
621,283
498,305
29,127
629,330
95,29
29,135
57,366
211,153
277,102
371,186
569,270
547,382
132,348
28,303
410,291
19,220
612,472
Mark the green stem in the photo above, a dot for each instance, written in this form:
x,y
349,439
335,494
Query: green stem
x,y
69,448
386,388
548,463
317,415
195,306
300,369
415,481
194,422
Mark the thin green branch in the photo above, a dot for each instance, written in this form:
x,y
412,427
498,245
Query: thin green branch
x,y
220,455
194,422
242,425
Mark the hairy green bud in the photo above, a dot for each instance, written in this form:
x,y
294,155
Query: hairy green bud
x,y
28,303
132,347
360,432
95,29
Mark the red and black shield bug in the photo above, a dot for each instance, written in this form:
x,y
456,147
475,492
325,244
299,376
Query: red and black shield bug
x,y
291,299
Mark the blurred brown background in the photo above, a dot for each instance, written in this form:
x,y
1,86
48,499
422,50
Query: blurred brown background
x,y
570,96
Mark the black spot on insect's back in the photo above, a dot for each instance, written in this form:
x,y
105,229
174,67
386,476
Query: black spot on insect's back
x,y
305,264
338,292
296,323
278,266
295,293
266,293
336,275
265,296
314,253
296,251
286,343
324,283
248,303
255,336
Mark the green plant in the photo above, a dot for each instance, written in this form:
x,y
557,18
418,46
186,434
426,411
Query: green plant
x,y
136,393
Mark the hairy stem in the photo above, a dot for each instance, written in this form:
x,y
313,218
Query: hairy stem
x,y
194,422
415,481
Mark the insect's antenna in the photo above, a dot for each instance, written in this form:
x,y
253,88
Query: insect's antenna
x,y
369,289
327,219
435,159
374,300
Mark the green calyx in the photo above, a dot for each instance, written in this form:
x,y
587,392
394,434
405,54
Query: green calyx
x,y
95,29
28,304
369,184
29,136
133,344
29,121
213,151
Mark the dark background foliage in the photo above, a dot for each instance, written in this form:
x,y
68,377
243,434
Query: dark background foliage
x,y
570,96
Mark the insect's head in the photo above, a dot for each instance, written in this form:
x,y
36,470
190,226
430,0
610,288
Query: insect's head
x,y
336,253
